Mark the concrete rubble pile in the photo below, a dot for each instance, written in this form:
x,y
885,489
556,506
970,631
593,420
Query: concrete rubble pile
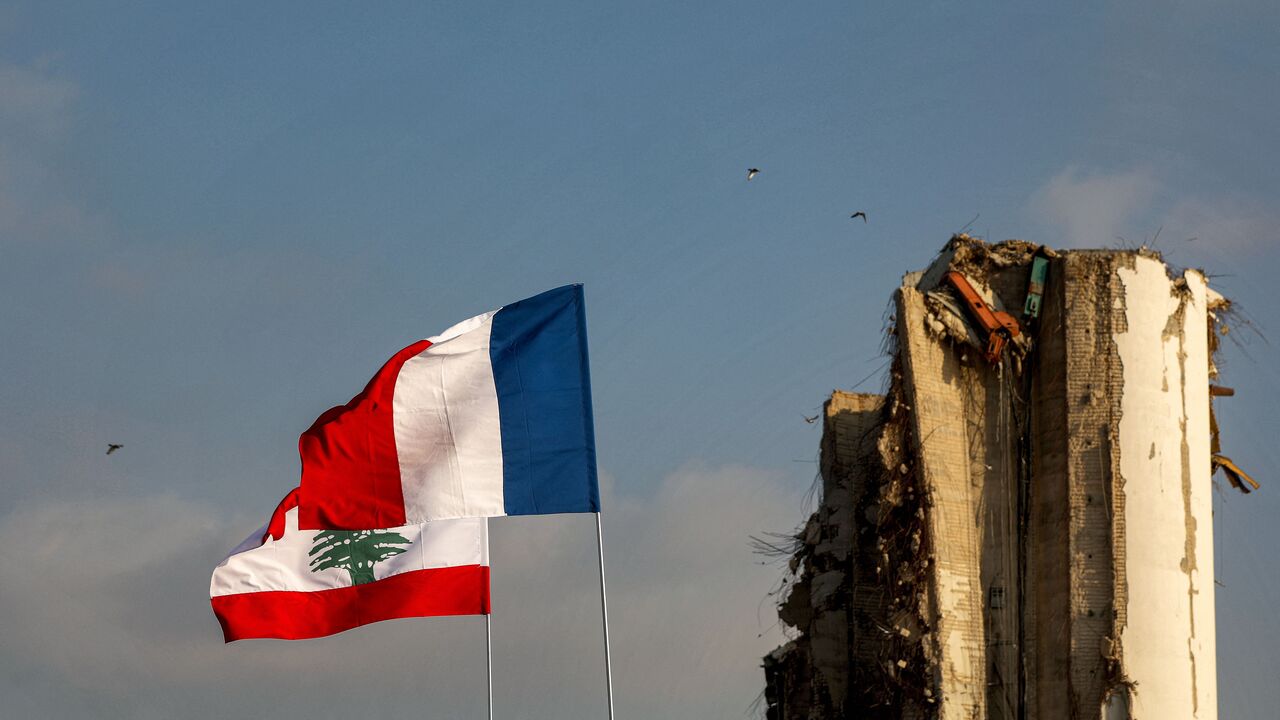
x,y
1020,527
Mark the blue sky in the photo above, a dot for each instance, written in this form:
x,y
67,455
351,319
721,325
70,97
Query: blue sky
x,y
217,221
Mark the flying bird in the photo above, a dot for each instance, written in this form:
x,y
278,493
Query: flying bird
x,y
859,214
811,420
112,447
752,172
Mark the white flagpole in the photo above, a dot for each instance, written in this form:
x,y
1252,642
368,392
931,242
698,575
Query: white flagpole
x,y
604,614
488,654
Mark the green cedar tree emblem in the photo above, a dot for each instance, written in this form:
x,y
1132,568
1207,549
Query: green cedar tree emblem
x,y
355,551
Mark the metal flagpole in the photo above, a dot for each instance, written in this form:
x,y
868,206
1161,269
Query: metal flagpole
x,y
488,654
488,628
604,614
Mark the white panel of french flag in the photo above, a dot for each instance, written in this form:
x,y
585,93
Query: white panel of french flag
x,y
490,417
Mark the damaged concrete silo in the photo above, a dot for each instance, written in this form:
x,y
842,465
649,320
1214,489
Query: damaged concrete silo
x,y
1021,526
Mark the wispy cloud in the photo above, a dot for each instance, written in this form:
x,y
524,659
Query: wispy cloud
x,y
1096,209
34,102
1224,224
1091,208
36,112
109,597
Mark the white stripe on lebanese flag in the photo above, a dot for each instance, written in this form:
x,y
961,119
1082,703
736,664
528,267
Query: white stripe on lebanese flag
x,y
290,584
491,417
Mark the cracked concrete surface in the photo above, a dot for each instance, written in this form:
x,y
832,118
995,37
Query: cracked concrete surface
x,y
1020,541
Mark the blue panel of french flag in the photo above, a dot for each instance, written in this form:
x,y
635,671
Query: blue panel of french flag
x,y
490,417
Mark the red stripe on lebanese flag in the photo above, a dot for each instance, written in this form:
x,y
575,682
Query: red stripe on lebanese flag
x,y
349,456
300,615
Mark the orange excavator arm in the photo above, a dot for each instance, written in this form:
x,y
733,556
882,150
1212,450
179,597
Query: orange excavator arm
x,y
1000,327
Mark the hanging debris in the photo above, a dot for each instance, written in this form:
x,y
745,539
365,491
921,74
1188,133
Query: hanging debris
x,y
1238,478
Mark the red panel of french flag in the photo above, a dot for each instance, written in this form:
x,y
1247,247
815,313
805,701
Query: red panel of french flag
x,y
490,417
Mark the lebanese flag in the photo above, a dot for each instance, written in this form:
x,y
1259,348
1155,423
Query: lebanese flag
x,y
490,417
291,584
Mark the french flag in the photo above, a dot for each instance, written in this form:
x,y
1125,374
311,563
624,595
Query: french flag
x,y
490,417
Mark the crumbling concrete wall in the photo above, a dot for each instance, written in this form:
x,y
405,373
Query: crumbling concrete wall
x,y
829,605
1095,488
1029,539
1168,636
1048,639
935,395
1121,452
848,461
